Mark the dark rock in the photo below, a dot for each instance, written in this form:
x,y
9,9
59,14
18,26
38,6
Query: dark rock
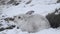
x,y
54,19
1,29
7,19
58,1
16,4
29,2
10,27
17,27
10,2
0,24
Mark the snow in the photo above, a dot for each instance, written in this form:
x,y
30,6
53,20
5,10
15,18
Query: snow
x,y
42,7
18,31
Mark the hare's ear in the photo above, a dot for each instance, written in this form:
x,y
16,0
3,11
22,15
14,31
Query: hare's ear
x,y
30,12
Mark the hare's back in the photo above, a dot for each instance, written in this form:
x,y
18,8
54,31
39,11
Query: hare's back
x,y
38,17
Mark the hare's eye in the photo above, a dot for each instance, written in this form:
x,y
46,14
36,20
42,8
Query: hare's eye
x,y
19,17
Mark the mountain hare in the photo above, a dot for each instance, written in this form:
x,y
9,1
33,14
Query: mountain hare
x,y
31,22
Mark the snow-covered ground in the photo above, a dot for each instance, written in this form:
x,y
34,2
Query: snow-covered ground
x,y
42,7
18,31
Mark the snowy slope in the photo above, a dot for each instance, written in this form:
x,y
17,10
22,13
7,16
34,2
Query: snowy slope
x,y
42,7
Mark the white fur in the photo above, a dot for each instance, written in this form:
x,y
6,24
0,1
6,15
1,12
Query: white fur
x,y
31,23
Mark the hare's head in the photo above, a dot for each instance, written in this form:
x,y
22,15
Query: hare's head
x,y
23,17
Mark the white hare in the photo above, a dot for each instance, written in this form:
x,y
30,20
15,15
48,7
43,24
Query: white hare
x,y
31,22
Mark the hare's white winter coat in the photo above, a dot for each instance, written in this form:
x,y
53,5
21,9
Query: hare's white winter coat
x,y
31,23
